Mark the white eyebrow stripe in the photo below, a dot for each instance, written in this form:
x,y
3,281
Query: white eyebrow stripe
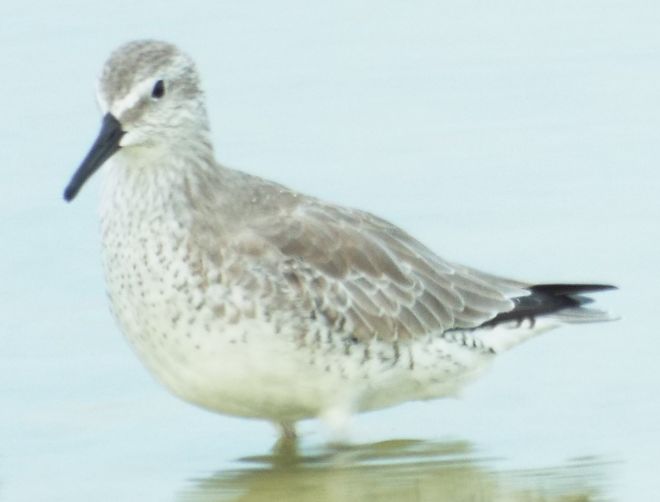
x,y
143,88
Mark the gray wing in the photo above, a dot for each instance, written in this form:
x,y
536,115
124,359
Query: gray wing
x,y
367,276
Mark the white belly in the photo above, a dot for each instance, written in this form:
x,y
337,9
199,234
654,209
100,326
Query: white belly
x,y
209,341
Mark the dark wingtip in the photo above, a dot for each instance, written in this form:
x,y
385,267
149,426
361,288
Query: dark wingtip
x,y
548,299
570,289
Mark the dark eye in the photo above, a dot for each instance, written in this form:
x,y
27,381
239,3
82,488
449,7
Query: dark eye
x,y
158,90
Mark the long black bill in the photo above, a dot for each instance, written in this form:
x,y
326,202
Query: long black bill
x,y
106,144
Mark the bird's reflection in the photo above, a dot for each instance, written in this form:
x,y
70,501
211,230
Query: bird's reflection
x,y
397,470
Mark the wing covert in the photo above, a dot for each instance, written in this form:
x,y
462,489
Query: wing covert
x,y
370,277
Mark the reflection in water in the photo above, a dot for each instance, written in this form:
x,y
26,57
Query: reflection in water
x,y
395,470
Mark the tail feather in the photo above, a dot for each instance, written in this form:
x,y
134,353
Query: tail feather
x,y
545,307
564,302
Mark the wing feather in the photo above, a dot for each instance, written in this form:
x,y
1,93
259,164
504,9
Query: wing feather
x,y
375,278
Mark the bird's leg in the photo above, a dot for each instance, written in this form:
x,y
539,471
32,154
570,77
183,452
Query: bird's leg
x,y
286,446
287,431
337,421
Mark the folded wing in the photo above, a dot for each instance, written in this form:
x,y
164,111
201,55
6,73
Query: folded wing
x,y
367,276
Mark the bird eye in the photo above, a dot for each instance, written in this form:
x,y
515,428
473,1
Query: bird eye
x,y
158,90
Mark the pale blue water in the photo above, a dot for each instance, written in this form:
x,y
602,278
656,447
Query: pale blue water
x,y
520,139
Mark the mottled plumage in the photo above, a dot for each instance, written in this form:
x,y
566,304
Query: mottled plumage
x,y
248,298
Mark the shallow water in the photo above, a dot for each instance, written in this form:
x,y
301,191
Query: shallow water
x,y
398,470
522,140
